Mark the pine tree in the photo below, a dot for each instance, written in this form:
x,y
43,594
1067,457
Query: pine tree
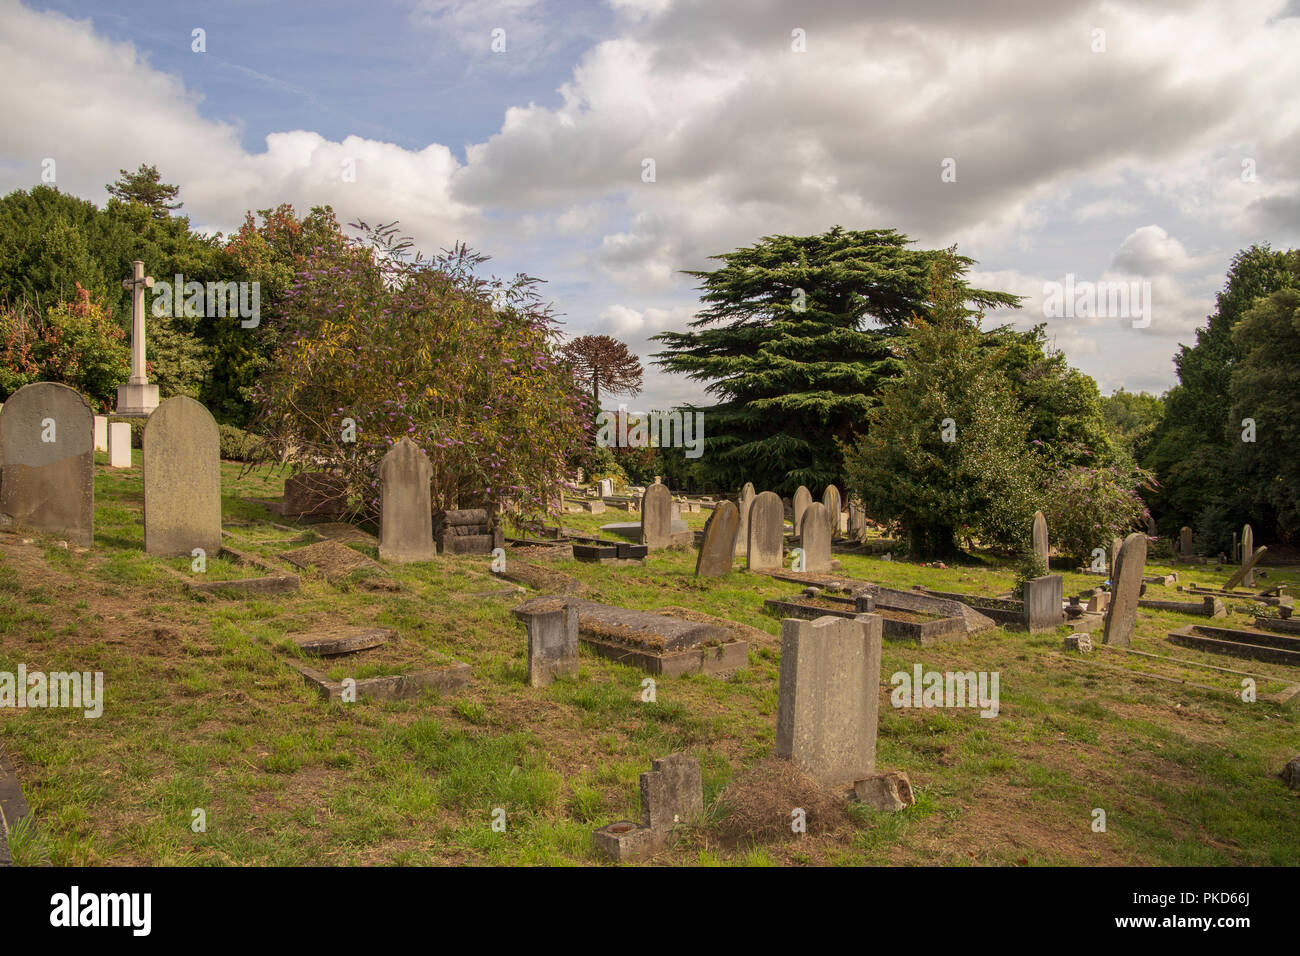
x,y
146,187
795,341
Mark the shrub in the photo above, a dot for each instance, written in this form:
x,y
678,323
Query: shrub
x,y
1087,507
239,445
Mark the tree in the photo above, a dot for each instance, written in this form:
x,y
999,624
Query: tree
x,y
146,187
946,450
1265,388
385,345
1132,418
599,360
796,343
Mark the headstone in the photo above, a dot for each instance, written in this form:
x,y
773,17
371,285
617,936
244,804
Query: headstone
x,y
815,538
1125,589
672,793
182,479
802,499
606,487
1151,527
405,509
829,696
831,499
552,640
101,433
657,517
1115,545
1040,537
1043,599
119,445
1246,567
1185,544
137,398
743,506
857,520
718,549
47,457
1247,550
766,532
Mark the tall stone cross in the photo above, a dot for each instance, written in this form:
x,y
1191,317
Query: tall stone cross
x,y
137,398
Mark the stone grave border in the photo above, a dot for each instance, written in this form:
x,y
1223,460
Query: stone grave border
x,y
388,687
1254,645
275,581
941,630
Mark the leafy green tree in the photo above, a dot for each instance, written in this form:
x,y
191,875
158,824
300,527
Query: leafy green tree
x,y
796,342
145,186
946,453
1265,388
1132,418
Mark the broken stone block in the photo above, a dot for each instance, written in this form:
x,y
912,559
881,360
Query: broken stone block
x,y
1078,642
552,640
672,792
1291,773
887,792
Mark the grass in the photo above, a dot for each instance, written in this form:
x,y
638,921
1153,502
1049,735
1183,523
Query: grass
x,y
201,713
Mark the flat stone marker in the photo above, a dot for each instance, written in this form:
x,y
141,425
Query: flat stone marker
x,y
119,445
802,499
405,509
101,433
1125,589
815,538
1247,549
766,532
657,517
334,559
718,549
336,641
552,640
834,504
47,462
182,479
1039,534
1246,567
1043,597
829,696
743,506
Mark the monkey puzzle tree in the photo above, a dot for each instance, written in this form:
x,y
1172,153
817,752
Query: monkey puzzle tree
x,y
600,361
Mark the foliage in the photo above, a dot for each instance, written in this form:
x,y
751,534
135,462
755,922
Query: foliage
x,y
1088,507
1132,419
984,481
1028,566
76,343
411,347
796,342
239,445
601,361
145,186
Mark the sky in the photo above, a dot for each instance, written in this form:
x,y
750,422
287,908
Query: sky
x,y
1063,145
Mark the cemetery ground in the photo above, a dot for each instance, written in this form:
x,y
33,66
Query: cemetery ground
x,y
201,712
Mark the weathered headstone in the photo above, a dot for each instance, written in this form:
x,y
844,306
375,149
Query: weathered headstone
x,y
1125,589
1115,545
672,793
1185,544
1247,550
743,506
405,509
766,532
815,538
119,445
137,398
857,520
718,549
657,517
182,479
552,640
802,499
101,433
1246,568
605,487
47,441
1043,598
1151,527
831,499
829,696
1040,537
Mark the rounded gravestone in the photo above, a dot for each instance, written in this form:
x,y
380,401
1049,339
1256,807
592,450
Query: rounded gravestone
x,y
1125,589
1040,537
47,446
405,509
766,532
1247,549
815,538
182,479
802,499
657,517
718,549
742,533
834,504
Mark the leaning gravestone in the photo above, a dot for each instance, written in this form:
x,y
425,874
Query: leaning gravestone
x,y
766,532
1125,589
831,499
657,517
1247,550
829,696
47,457
1040,537
718,549
1246,568
743,505
802,499
182,479
405,509
815,538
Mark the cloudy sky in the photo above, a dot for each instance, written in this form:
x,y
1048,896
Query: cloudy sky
x,y
1145,141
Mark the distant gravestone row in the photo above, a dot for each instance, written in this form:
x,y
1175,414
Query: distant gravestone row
x,y
755,528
